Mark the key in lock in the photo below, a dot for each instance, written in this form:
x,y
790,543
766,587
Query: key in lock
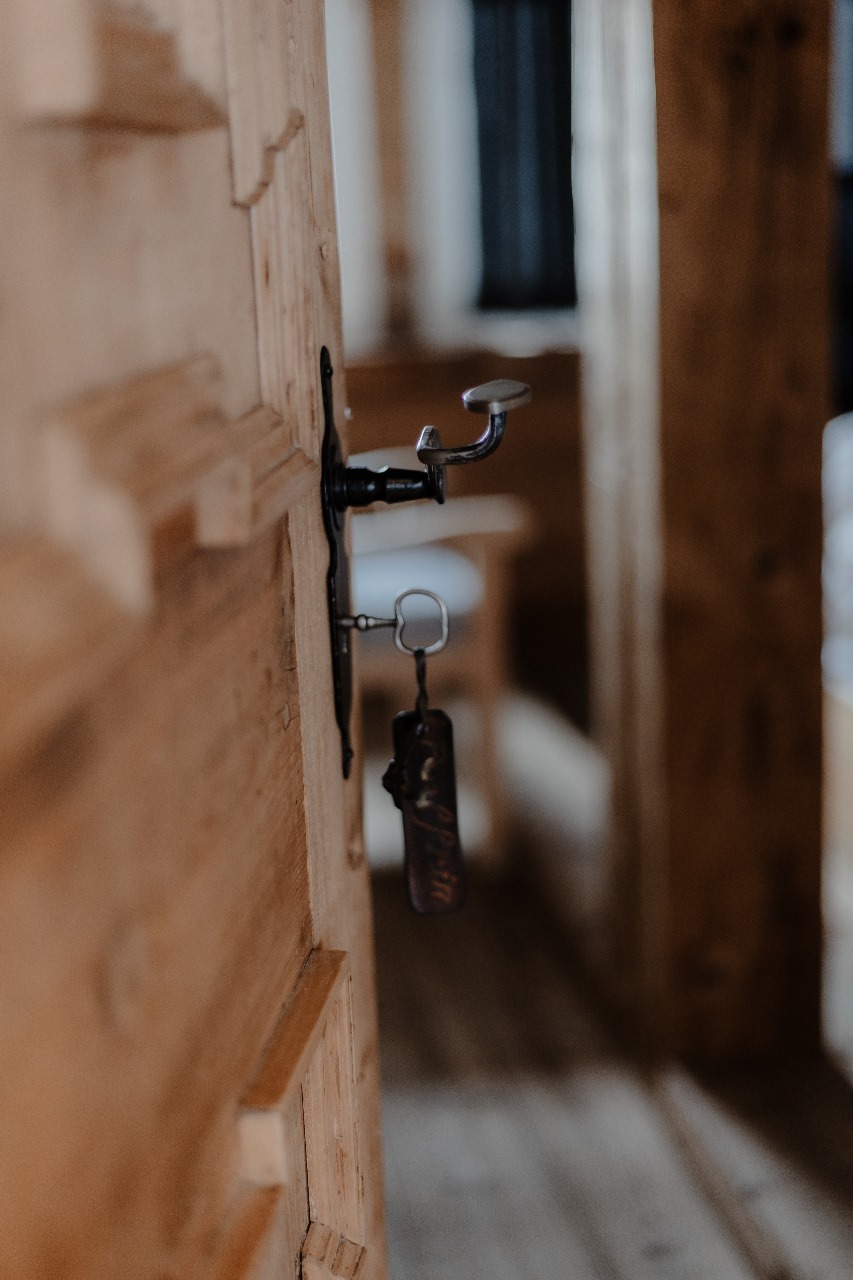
x,y
421,778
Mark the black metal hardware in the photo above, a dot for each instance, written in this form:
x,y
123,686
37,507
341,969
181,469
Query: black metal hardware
x,y
421,779
343,487
359,486
337,576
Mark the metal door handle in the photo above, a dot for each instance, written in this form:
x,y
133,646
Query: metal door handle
x,y
494,398
343,487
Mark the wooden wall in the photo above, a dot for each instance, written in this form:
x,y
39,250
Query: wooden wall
x,y
703,253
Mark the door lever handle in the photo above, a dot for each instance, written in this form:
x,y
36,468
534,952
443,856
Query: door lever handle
x,y
343,487
495,398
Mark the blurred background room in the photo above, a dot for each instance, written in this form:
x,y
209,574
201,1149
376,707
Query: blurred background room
x,y
629,208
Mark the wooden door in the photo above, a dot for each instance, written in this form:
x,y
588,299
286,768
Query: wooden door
x,y
188,1067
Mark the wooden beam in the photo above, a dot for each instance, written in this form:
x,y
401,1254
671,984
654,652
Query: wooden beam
x,y
389,81
703,253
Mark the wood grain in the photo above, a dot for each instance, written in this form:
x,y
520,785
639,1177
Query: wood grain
x,y
177,835
300,1029
284,250
263,117
115,280
743,539
760,1249
518,1139
332,1125
772,1156
152,836
341,898
326,1253
705,396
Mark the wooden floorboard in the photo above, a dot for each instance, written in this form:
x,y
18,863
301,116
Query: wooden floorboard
x,y
519,1141
787,1201
522,1144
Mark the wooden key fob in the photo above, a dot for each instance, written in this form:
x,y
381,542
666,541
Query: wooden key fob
x,y
422,780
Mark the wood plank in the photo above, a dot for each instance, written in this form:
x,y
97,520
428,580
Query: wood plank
x,y
99,63
260,93
331,1125
519,1012
745,351
154,886
758,1246
312,1047
468,1193
137,224
282,1254
615,1164
614,120
120,867
300,1029
119,463
790,1214
262,1237
284,240
572,1177
276,119
340,887
326,1254
388,31
253,488
701,151
569,1153
309,35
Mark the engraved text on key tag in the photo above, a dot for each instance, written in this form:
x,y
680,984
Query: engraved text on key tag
x,y
422,780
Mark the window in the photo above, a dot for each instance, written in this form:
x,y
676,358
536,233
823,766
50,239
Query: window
x,y
522,61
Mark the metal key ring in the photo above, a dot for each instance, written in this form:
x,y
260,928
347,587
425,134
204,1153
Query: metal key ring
x,y
401,621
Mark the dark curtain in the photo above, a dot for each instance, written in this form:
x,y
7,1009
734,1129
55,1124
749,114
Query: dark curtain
x,y
522,70
843,292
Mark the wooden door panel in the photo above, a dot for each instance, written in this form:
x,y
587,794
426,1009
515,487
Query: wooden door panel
x,y
180,853
153,915
105,62
147,266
